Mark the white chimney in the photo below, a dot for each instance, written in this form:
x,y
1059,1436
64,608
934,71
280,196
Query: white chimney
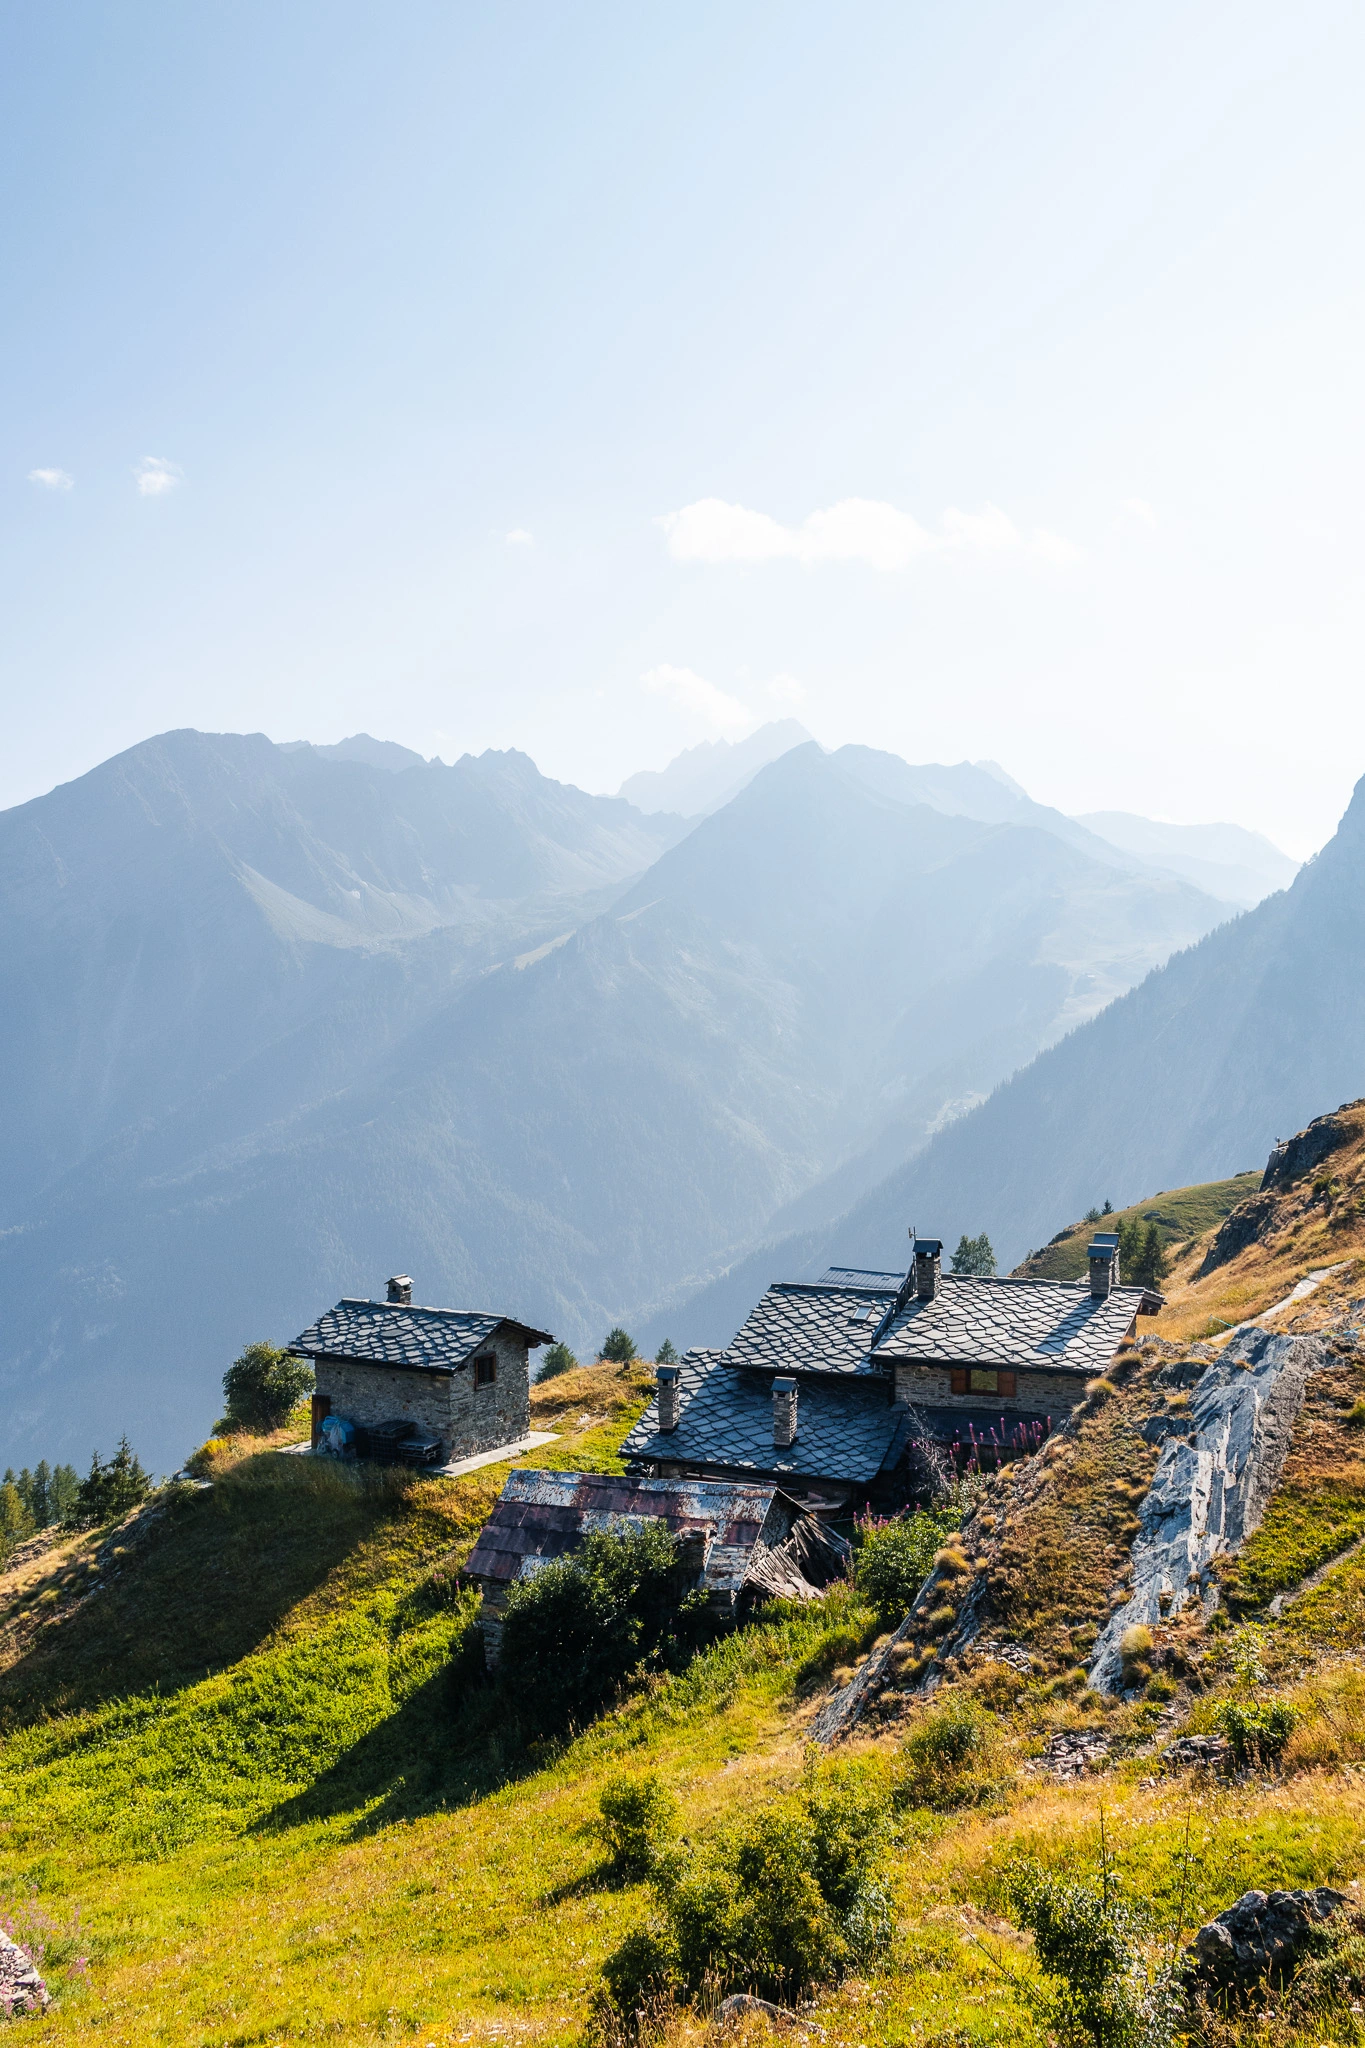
x,y
1103,1254
784,1414
400,1290
667,1377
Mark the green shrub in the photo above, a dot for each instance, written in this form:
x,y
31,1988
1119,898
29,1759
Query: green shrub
x,y
557,1359
943,1759
638,1820
577,1632
894,1559
787,1899
1086,1940
619,1346
264,1385
1257,1731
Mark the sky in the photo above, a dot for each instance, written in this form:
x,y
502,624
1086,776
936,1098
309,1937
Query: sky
x,y
972,381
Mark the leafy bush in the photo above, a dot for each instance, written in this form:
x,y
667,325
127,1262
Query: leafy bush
x,y
557,1359
944,1758
264,1385
1257,1731
787,1899
108,1492
639,1818
619,1346
576,1632
1086,1939
894,1559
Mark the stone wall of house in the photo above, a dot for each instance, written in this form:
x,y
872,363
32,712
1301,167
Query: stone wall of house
x,y
368,1394
484,1417
466,1417
1036,1393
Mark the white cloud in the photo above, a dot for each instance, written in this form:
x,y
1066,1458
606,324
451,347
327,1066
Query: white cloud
x,y
518,538
155,476
51,479
1139,509
854,530
703,699
786,690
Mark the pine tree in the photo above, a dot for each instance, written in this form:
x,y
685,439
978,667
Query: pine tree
x,y
974,1255
63,1494
619,1347
666,1355
15,1520
40,1496
557,1359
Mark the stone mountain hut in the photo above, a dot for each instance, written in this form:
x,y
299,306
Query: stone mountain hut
x,y
458,1378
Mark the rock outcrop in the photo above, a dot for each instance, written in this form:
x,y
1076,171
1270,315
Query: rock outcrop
x,y
22,1990
1212,1484
1261,1940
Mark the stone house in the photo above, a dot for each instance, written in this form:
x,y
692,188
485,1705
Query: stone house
x,y
831,1383
460,1376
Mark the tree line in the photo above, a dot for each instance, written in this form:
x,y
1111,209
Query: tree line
x,y
54,1496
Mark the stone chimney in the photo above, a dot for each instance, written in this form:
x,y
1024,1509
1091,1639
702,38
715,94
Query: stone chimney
x,y
928,1267
400,1290
784,1414
1103,1254
667,1377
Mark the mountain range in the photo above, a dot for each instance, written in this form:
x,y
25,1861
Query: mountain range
x,y
1191,1076
278,1021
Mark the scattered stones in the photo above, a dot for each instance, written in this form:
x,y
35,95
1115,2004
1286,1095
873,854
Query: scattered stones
x,y
1260,1940
1073,1752
1012,1654
21,1988
1199,1753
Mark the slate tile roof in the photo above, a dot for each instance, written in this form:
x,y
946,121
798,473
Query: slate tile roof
x,y
415,1339
847,1429
815,1326
543,1515
861,1276
1042,1325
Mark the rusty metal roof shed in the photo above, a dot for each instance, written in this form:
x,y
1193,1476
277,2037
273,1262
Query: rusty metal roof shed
x,y
541,1516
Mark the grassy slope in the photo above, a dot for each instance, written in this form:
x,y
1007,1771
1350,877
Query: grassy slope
x,y
244,1764
1183,1214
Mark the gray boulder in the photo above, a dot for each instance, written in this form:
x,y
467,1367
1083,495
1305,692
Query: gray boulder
x,y
1261,1940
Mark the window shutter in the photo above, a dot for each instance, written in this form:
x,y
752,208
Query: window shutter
x,y
961,1379
1006,1385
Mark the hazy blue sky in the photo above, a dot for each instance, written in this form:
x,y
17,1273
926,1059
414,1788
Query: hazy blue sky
x,y
973,380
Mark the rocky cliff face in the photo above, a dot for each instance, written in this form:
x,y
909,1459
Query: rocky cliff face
x,y
1219,1464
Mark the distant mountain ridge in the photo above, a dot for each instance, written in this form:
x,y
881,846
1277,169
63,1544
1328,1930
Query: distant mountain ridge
x,y
701,779
277,1023
1230,1044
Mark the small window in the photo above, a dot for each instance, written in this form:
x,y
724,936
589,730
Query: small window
x,y
984,1380
485,1370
